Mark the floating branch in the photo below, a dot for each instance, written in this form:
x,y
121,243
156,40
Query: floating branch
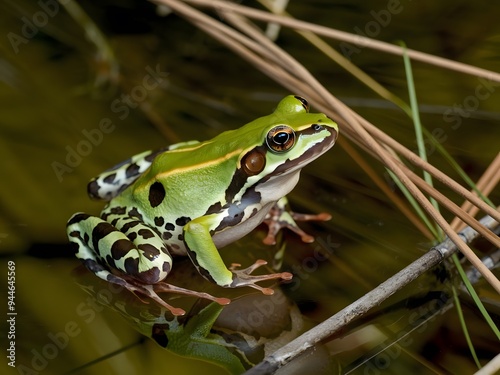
x,y
371,299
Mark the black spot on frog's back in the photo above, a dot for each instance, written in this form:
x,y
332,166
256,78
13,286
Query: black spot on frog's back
x,y
156,194
183,220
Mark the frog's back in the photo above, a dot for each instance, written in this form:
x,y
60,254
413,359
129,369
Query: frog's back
x,y
181,183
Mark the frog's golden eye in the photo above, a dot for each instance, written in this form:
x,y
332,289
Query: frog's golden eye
x,y
253,162
280,138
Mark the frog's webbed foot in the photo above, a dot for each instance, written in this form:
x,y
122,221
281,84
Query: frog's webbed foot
x,y
244,278
279,217
151,291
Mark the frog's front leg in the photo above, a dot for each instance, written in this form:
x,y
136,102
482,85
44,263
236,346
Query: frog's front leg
x,y
135,255
205,256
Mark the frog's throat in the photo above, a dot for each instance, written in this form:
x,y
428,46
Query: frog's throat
x,y
270,192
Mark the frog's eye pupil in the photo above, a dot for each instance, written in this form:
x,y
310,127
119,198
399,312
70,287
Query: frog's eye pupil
x,y
281,138
317,127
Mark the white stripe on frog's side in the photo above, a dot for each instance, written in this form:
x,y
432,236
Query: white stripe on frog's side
x,y
254,213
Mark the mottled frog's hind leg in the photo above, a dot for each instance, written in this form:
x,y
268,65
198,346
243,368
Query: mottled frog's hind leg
x,y
113,181
280,217
134,253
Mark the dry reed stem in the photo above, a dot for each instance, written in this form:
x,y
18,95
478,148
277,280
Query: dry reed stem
x,y
492,367
260,51
350,117
355,39
488,181
341,319
427,206
382,185
289,62
280,66
436,173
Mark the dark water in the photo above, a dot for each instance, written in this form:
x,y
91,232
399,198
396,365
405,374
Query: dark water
x,y
70,110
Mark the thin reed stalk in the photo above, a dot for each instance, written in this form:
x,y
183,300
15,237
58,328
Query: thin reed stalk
x,y
249,42
255,47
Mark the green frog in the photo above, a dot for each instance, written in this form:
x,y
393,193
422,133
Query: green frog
x,y
193,198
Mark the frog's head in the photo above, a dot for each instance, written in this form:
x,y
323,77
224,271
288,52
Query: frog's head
x,y
279,145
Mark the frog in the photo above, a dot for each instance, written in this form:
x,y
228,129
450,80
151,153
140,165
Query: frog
x,y
193,198
208,332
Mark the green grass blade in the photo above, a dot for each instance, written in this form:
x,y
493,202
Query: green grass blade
x,y
475,297
439,147
419,132
464,326
417,124
414,204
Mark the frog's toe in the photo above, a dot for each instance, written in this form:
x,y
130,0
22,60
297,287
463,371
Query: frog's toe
x,y
280,217
169,288
149,291
322,216
244,278
288,221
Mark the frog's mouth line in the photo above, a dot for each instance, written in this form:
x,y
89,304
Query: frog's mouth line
x,y
311,154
